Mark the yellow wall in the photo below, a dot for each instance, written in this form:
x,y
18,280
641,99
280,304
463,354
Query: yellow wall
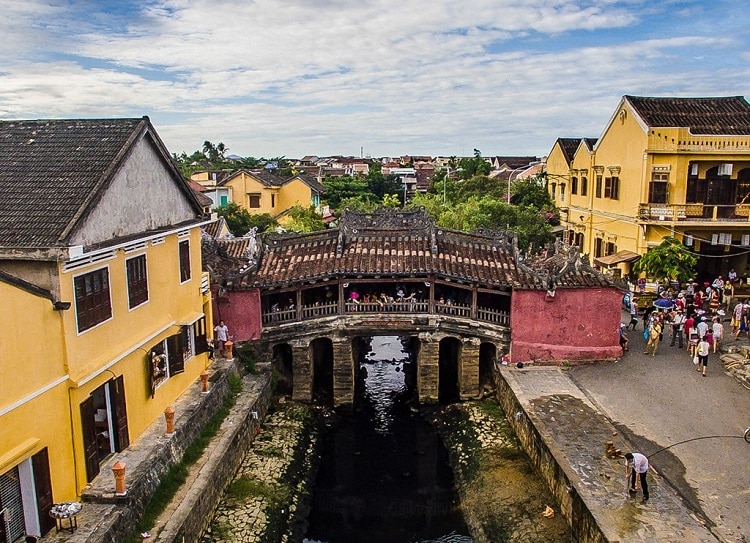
x,y
33,387
637,150
295,192
283,197
120,345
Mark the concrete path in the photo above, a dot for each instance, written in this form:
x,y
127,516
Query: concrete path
x,y
576,433
658,401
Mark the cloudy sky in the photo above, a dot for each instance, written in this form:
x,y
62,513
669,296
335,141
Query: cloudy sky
x,y
434,77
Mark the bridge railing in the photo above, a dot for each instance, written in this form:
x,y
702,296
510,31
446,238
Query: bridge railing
x,y
493,315
315,311
407,306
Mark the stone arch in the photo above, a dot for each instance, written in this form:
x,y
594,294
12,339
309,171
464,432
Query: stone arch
x,y
282,366
321,371
449,362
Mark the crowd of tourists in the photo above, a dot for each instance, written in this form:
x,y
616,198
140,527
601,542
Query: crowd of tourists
x,y
692,318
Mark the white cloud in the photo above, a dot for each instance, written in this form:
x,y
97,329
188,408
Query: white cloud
x,y
298,77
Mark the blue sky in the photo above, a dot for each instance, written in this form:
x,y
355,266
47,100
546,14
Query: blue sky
x,y
297,77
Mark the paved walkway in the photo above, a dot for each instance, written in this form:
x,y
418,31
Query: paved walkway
x,y
646,403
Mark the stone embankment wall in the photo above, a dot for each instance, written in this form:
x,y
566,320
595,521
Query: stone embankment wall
x,y
219,463
108,517
583,526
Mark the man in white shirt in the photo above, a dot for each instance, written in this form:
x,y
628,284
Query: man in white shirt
x,y
637,463
678,320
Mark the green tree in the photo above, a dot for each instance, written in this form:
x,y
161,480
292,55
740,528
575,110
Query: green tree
x,y
670,260
531,191
240,220
345,186
380,184
304,220
476,165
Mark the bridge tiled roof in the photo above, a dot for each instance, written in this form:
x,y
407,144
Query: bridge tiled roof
x,y
404,244
395,244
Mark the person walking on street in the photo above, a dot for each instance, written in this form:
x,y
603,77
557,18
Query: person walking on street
x,y
704,347
678,320
636,463
633,312
654,331
718,332
222,336
744,323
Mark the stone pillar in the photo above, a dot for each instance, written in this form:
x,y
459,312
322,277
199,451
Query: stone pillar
x,y
428,368
343,371
469,368
301,372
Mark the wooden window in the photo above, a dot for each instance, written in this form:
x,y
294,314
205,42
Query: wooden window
x,y
199,335
598,247
93,305
184,261
573,185
253,201
137,281
554,190
584,186
598,187
562,192
611,249
657,190
273,201
612,188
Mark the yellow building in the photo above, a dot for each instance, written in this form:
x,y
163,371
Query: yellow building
x,y
106,309
662,167
260,191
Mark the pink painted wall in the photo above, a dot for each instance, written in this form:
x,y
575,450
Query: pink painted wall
x,y
576,325
241,311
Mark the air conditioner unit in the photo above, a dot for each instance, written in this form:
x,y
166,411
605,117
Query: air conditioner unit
x,y
725,169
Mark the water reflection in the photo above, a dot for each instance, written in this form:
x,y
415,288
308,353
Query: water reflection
x,y
384,476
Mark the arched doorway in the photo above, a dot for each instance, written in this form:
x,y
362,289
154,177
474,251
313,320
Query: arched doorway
x,y
487,359
321,355
448,359
281,365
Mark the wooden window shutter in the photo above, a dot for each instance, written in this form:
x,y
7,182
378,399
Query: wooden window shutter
x,y
91,454
199,333
120,422
174,354
43,488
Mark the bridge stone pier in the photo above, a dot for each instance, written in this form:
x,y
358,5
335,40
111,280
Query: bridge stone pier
x,y
451,353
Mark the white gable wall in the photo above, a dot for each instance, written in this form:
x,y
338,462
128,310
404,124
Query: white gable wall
x,y
142,196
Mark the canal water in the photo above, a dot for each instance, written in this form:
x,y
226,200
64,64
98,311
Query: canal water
x,y
385,476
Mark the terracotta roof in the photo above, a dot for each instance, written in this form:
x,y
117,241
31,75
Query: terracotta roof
x,y
392,244
53,171
722,116
561,267
215,228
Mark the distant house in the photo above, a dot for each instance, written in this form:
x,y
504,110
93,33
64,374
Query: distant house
x,y
105,308
261,191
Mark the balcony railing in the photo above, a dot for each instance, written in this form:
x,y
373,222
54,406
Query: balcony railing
x,y
694,212
307,312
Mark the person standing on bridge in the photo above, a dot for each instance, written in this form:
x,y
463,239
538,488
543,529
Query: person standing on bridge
x,y
636,463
